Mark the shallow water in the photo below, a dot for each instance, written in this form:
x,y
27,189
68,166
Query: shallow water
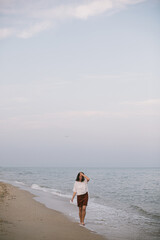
x,y
123,203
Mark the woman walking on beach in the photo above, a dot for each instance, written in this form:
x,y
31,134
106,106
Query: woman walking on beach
x,y
81,189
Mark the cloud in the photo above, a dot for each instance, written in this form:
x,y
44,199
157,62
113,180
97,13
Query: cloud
x,y
124,75
52,120
81,11
37,16
62,119
149,102
6,32
33,30
92,9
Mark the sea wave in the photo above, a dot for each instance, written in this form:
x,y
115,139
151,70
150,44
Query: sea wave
x,y
146,213
50,190
21,183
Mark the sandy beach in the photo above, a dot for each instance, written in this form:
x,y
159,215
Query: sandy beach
x,y
21,217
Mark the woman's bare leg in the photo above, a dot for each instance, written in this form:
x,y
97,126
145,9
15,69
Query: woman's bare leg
x,y
80,214
83,213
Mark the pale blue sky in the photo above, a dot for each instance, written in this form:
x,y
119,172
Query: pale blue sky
x,y
79,83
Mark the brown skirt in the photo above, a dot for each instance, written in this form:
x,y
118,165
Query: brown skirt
x,y
82,200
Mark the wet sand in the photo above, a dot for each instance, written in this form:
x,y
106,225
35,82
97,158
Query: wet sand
x,y
23,218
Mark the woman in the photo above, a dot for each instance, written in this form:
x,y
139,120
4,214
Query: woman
x,y
81,189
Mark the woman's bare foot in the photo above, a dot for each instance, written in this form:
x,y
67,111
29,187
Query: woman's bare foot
x,y
82,224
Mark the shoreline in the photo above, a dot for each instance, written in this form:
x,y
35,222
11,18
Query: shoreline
x,y
22,217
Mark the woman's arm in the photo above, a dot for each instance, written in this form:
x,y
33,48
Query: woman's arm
x,y
85,177
74,194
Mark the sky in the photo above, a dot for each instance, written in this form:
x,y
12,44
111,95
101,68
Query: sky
x,y
79,83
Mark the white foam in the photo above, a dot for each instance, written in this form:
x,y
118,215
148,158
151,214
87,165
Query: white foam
x,y
50,190
21,183
37,187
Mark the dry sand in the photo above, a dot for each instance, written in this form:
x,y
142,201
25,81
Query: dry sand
x,y
23,218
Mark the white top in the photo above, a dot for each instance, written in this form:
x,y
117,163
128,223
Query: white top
x,y
80,187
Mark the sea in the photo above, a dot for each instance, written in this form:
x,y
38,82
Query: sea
x,y
124,203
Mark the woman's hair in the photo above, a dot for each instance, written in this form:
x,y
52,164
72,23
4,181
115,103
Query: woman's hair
x,y
77,179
